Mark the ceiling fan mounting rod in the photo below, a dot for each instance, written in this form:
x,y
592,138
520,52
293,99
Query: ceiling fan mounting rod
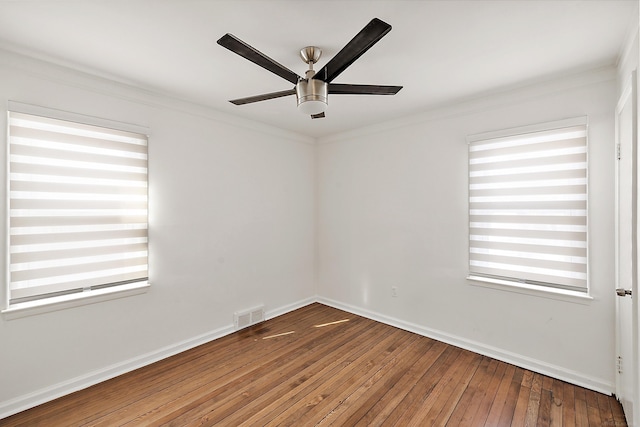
x,y
310,56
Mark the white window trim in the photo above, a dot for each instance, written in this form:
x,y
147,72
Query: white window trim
x,y
532,290
526,288
62,302
47,305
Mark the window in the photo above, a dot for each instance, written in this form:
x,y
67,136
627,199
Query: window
x,y
528,206
77,208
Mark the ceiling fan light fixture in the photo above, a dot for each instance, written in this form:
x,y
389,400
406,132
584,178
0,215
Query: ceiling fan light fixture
x,y
312,96
311,107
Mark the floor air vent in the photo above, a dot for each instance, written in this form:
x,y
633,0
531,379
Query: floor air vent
x,y
242,319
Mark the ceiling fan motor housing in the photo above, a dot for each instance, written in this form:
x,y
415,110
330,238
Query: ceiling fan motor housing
x,y
312,95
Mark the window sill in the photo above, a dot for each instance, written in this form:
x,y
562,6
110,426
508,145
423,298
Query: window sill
x,y
63,302
538,291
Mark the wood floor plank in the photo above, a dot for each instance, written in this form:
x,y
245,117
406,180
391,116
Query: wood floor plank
x,y
544,410
527,379
464,404
618,414
500,399
459,393
430,387
522,401
489,395
404,413
480,389
568,405
582,410
455,391
322,366
506,416
593,408
533,405
606,414
557,403
546,398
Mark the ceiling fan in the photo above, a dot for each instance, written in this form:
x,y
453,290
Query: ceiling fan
x,y
313,89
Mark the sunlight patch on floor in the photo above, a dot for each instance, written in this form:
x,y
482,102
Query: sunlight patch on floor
x,y
279,335
331,323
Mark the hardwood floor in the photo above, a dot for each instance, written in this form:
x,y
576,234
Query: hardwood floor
x,y
322,366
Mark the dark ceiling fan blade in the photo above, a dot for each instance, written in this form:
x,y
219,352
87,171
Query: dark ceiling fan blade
x,y
236,45
318,116
346,89
263,97
367,37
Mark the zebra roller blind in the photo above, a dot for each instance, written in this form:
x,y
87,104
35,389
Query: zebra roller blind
x,y
528,207
77,207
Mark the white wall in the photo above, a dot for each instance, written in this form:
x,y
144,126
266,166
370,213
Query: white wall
x,y
232,211
393,212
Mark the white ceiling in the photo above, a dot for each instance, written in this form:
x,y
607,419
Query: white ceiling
x,y
442,52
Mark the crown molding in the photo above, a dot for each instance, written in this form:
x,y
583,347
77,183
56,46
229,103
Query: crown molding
x,y
128,91
630,40
487,100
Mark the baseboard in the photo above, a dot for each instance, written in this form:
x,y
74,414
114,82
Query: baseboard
x,y
55,391
578,378
270,314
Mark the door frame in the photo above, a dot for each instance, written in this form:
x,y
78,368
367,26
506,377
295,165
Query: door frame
x,y
632,368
